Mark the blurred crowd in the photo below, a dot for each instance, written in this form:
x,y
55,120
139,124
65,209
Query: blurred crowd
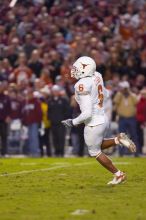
x,y
39,41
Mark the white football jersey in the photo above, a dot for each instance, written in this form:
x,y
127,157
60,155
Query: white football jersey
x,y
94,87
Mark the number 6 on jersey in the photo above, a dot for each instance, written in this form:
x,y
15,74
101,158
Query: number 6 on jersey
x,y
100,95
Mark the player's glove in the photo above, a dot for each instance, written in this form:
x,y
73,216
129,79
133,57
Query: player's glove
x,y
67,123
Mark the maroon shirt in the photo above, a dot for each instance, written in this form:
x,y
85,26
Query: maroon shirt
x,y
31,112
15,109
4,107
141,110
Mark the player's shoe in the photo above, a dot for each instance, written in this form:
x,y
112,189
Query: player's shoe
x,y
118,179
127,142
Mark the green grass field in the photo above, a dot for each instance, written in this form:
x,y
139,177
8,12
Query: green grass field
x,y
55,189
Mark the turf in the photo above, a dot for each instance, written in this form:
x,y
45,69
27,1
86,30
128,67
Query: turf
x,y
53,189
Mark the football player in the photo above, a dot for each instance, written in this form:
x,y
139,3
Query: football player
x,y
90,94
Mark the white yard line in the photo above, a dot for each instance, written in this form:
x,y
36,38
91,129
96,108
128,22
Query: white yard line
x,y
44,163
44,169
33,171
55,168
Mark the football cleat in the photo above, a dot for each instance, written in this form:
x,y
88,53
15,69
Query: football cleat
x,y
118,179
127,142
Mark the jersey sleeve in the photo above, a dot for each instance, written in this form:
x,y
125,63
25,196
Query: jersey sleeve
x,y
86,110
83,91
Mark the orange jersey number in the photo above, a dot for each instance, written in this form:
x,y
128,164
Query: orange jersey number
x,y
100,95
81,87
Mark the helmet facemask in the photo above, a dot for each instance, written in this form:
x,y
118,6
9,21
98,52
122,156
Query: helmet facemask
x,y
75,72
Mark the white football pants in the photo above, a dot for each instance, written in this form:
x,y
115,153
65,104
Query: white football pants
x,y
94,136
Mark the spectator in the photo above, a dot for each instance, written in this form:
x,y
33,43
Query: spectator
x,y
14,139
141,119
22,72
125,104
11,55
45,77
56,62
32,117
29,46
46,124
16,45
3,72
15,103
4,118
35,64
65,70
58,111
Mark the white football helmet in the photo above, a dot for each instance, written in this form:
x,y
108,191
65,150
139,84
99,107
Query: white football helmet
x,y
83,67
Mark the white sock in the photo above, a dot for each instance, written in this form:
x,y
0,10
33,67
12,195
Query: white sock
x,y
118,173
116,140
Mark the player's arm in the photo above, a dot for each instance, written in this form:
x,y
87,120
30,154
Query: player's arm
x,y
83,92
86,110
